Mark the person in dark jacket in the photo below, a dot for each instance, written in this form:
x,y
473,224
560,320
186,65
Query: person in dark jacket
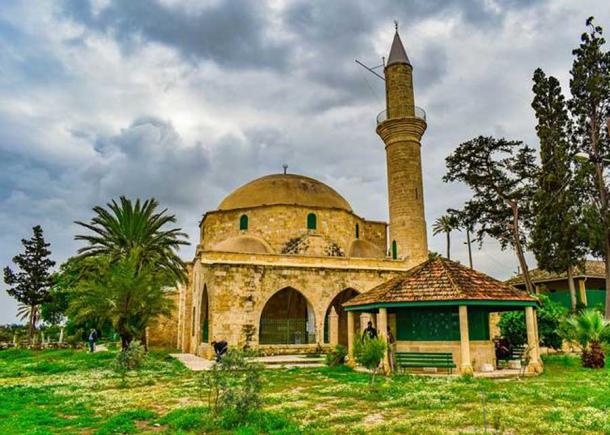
x,y
220,348
92,339
370,331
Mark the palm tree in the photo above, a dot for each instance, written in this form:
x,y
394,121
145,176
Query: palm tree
x,y
123,292
125,227
589,329
445,224
32,314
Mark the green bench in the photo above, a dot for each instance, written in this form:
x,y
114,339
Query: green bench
x,y
518,353
425,359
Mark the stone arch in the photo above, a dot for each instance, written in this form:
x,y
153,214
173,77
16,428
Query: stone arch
x,y
337,304
287,317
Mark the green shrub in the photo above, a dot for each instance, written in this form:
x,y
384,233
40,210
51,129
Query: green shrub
x,y
129,359
233,386
550,316
336,357
369,353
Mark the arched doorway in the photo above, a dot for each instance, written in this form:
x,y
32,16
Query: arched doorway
x,y
337,303
204,319
287,318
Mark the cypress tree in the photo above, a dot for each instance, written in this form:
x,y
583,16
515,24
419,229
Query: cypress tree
x,y
555,237
590,109
31,284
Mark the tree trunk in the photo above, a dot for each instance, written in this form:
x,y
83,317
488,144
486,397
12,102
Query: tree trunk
x,y
572,287
603,201
31,325
519,249
448,245
608,279
469,247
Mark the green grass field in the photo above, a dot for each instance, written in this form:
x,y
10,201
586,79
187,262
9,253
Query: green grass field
x,y
65,391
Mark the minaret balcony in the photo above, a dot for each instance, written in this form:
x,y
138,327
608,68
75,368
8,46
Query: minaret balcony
x,y
419,113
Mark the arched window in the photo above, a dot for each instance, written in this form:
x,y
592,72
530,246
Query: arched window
x,y
287,318
311,221
243,222
357,231
193,322
394,250
204,316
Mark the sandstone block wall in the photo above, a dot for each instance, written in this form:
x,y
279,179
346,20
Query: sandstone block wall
x,y
279,224
239,286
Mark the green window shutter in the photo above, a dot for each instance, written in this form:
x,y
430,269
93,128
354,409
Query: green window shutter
x,y
243,222
311,221
205,331
428,324
394,250
478,324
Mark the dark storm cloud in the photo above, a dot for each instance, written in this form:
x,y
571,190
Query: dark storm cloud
x,y
185,100
231,33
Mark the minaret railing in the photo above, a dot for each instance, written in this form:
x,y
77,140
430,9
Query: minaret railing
x,y
419,113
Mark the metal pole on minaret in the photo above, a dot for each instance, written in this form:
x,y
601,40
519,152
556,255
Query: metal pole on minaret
x,y
401,128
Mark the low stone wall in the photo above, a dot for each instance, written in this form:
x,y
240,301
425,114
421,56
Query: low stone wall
x,y
481,352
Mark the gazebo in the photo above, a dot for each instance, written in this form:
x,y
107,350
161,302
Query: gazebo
x,y
443,306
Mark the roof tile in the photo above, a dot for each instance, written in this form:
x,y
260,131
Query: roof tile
x,y
440,279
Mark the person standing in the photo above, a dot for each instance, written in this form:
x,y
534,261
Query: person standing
x,y
370,331
92,338
391,345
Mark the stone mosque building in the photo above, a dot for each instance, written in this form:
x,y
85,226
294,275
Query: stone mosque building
x,y
285,265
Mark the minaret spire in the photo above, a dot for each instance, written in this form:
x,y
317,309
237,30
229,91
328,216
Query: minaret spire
x,y
397,51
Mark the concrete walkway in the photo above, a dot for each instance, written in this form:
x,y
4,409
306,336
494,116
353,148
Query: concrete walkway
x,y
193,362
196,363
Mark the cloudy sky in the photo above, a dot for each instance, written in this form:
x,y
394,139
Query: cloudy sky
x,y
185,100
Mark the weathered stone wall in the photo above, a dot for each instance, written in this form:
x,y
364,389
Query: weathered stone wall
x,y
279,224
239,286
163,331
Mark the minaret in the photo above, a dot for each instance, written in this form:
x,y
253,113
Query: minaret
x,y
401,129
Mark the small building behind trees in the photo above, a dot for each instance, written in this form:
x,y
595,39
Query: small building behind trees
x,y
589,281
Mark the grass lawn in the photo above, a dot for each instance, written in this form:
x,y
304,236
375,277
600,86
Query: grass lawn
x,y
65,391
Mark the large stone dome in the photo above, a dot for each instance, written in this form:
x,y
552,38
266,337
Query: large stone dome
x,y
285,189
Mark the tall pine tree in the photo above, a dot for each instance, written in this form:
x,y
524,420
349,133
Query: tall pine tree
x,y
555,237
501,175
590,109
30,285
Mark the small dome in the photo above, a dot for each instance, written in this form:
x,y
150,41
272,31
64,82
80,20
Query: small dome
x,y
244,245
364,249
284,189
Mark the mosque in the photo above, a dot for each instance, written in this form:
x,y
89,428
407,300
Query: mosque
x,y
285,265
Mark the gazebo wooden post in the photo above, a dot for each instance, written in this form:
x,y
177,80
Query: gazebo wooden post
x,y
333,327
350,339
466,367
382,331
535,364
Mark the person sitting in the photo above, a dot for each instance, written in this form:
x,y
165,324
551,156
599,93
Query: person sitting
x,y
370,331
220,348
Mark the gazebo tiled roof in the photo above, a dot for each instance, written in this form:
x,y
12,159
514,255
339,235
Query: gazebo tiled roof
x,y
441,280
590,269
